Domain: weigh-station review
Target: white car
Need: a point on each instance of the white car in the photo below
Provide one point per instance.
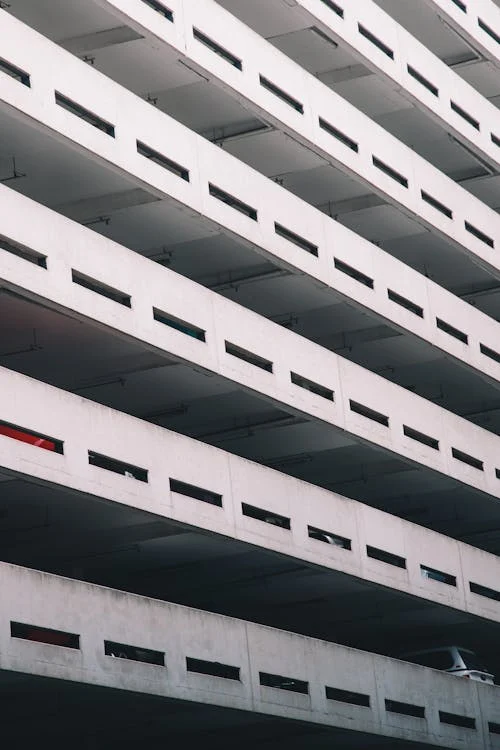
(461, 662)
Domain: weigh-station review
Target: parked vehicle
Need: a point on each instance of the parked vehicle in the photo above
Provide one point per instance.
(459, 661)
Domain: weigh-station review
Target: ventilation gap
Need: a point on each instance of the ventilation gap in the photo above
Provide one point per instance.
(480, 235)
(267, 516)
(422, 80)
(212, 668)
(488, 30)
(243, 208)
(460, 5)
(386, 557)
(353, 273)
(365, 411)
(495, 139)
(85, 114)
(23, 252)
(457, 720)
(438, 575)
(476, 588)
(179, 325)
(32, 438)
(220, 51)
(333, 6)
(464, 115)
(162, 161)
(452, 331)
(466, 459)
(342, 137)
(421, 437)
(376, 41)
(310, 385)
(100, 288)
(347, 696)
(294, 103)
(491, 353)
(246, 356)
(161, 9)
(328, 538)
(436, 204)
(406, 303)
(134, 653)
(296, 239)
(390, 172)
(117, 467)
(197, 493)
(44, 635)
(283, 683)
(14, 72)
(406, 709)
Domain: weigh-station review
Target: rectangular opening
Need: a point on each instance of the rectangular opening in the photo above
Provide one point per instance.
(212, 668)
(220, 51)
(342, 137)
(460, 5)
(422, 80)
(353, 273)
(250, 357)
(230, 200)
(347, 696)
(437, 575)
(197, 493)
(14, 72)
(162, 161)
(23, 252)
(284, 683)
(117, 467)
(160, 8)
(456, 720)
(421, 437)
(32, 438)
(294, 103)
(389, 171)
(406, 709)
(386, 557)
(99, 288)
(134, 653)
(465, 115)
(480, 235)
(476, 588)
(267, 516)
(488, 30)
(493, 727)
(85, 114)
(328, 538)
(495, 139)
(452, 331)
(310, 385)
(333, 6)
(466, 459)
(365, 411)
(406, 303)
(179, 325)
(436, 204)
(376, 41)
(296, 239)
(44, 635)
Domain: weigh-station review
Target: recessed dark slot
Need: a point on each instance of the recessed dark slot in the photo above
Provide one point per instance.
(480, 235)
(296, 239)
(436, 204)
(386, 557)
(284, 683)
(333, 6)
(243, 208)
(267, 84)
(311, 386)
(227, 56)
(407, 709)
(424, 81)
(376, 41)
(179, 325)
(491, 353)
(476, 588)
(495, 139)
(484, 26)
(457, 720)
(328, 538)
(23, 252)
(162, 161)
(421, 437)
(32, 438)
(353, 273)
(160, 8)
(212, 668)
(100, 288)
(497, 473)
(389, 171)
(438, 575)
(14, 72)
(406, 303)
(117, 467)
(464, 115)
(268, 516)
(365, 411)
(44, 635)
(347, 696)
(493, 727)
(134, 653)
(460, 5)
(85, 114)
(466, 459)
(250, 357)
(342, 137)
(197, 493)
(452, 331)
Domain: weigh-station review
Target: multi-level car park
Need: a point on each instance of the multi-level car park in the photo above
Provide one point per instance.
(249, 369)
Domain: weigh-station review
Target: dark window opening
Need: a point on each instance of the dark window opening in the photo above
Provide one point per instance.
(117, 467)
(162, 161)
(212, 668)
(465, 115)
(328, 538)
(467, 722)
(480, 235)
(460, 5)
(386, 557)
(342, 137)
(99, 288)
(85, 114)
(493, 727)
(179, 325)
(484, 26)
(134, 653)
(32, 438)
(436, 204)
(353, 273)
(476, 588)
(491, 353)
(495, 139)
(438, 575)
(273, 89)
(333, 6)
(389, 171)
(466, 459)
(296, 239)
(406, 303)
(365, 411)
(452, 331)
(250, 357)
(376, 41)
(421, 437)
(220, 51)
(160, 8)
(407, 709)
(267, 516)
(23, 252)
(347, 696)
(197, 493)
(422, 80)
(44, 635)
(14, 72)
(310, 385)
(284, 683)
(230, 200)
